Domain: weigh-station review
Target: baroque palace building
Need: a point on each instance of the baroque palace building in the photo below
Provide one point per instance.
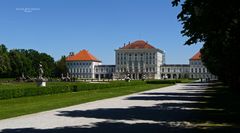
(84, 65)
(198, 70)
(174, 71)
(138, 60)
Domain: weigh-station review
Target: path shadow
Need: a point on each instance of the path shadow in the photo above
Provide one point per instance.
(175, 97)
(108, 127)
(199, 114)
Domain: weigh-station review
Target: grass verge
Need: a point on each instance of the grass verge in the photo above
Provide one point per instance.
(27, 105)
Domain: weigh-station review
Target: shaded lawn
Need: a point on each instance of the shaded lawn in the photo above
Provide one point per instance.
(225, 99)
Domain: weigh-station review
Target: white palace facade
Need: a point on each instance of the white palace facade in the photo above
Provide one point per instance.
(138, 60)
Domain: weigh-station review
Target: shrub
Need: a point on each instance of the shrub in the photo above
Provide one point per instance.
(18, 91)
(163, 81)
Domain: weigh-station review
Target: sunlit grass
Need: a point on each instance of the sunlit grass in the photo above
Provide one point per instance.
(27, 105)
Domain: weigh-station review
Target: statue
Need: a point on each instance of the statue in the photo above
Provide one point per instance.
(40, 72)
(143, 77)
(40, 80)
(62, 77)
(127, 78)
(67, 78)
(23, 77)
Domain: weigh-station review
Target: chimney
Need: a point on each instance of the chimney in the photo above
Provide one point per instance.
(124, 44)
(71, 54)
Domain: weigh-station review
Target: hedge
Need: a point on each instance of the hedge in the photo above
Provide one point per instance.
(163, 81)
(73, 87)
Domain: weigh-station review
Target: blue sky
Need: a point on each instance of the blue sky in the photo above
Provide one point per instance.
(58, 27)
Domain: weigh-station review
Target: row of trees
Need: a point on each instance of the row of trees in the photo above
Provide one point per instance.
(15, 62)
(216, 24)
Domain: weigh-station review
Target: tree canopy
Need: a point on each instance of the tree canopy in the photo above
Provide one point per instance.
(61, 67)
(216, 24)
(16, 62)
(4, 61)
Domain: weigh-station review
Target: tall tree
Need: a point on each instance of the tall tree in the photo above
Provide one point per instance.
(48, 64)
(217, 25)
(61, 67)
(19, 63)
(34, 56)
(5, 67)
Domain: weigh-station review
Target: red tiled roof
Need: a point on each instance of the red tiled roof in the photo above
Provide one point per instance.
(83, 55)
(140, 44)
(197, 56)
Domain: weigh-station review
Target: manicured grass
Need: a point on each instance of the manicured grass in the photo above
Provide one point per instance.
(186, 80)
(16, 90)
(27, 105)
(169, 81)
(23, 89)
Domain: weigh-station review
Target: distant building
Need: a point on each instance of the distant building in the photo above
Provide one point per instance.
(198, 70)
(104, 71)
(82, 64)
(138, 59)
(174, 71)
(195, 70)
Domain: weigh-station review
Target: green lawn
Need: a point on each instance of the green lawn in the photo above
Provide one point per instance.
(17, 90)
(27, 105)
(186, 80)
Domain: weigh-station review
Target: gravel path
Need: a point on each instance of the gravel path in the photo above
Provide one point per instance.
(150, 111)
